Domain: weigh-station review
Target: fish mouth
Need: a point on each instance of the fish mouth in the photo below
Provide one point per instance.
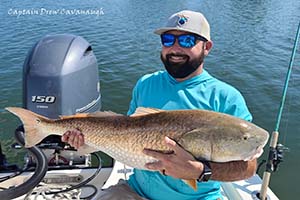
(255, 154)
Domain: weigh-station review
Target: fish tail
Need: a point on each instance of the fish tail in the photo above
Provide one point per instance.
(32, 125)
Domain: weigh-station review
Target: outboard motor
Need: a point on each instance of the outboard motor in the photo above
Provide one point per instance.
(60, 77)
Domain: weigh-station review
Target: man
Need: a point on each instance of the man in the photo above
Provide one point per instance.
(184, 85)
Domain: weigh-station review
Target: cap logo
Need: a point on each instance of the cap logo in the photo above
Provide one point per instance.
(182, 20)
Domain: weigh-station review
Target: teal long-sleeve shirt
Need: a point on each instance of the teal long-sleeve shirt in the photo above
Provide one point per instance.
(160, 90)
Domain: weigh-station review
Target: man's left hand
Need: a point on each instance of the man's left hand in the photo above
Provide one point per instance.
(179, 164)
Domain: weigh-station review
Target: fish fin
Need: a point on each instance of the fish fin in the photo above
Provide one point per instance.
(78, 115)
(94, 114)
(192, 183)
(86, 149)
(32, 127)
(103, 114)
(140, 111)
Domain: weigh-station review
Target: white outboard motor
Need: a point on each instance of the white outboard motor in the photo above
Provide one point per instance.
(60, 77)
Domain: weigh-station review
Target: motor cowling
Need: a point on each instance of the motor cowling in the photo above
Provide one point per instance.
(60, 77)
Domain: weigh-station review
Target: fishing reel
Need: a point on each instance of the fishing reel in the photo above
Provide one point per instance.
(275, 157)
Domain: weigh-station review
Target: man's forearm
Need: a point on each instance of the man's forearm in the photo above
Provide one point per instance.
(233, 171)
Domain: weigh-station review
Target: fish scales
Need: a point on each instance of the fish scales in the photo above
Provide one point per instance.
(135, 137)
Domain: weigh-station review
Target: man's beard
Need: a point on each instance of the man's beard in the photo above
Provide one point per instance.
(182, 70)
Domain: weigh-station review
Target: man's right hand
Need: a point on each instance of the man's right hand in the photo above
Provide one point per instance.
(73, 137)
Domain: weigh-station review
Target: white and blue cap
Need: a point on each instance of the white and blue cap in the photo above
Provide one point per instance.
(189, 21)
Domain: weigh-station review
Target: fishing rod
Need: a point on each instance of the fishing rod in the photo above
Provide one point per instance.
(276, 150)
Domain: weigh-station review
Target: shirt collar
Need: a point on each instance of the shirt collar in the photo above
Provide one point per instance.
(204, 76)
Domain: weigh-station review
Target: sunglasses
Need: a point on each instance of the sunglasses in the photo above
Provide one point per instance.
(185, 40)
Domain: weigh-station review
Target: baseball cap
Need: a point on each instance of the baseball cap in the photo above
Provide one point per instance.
(189, 21)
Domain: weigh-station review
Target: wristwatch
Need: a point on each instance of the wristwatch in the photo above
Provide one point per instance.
(206, 173)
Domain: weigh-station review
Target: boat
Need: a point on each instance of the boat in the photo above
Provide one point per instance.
(60, 179)
(53, 169)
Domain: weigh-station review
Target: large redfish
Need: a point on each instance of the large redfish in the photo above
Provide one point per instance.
(207, 135)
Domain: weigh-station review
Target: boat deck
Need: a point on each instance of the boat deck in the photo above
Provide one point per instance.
(239, 190)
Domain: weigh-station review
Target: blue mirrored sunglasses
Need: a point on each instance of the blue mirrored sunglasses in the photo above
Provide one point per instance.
(185, 40)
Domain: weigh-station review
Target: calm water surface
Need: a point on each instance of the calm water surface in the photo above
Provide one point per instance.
(252, 46)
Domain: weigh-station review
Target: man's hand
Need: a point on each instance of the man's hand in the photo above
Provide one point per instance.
(179, 164)
(74, 137)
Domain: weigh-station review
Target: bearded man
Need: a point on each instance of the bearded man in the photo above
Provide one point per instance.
(185, 84)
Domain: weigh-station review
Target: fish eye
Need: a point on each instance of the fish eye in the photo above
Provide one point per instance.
(38, 120)
(245, 137)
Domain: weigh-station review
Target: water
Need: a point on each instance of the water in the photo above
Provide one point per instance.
(252, 46)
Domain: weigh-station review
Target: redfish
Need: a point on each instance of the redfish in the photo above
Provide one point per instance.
(207, 135)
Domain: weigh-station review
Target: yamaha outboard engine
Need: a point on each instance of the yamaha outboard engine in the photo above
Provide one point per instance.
(60, 77)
